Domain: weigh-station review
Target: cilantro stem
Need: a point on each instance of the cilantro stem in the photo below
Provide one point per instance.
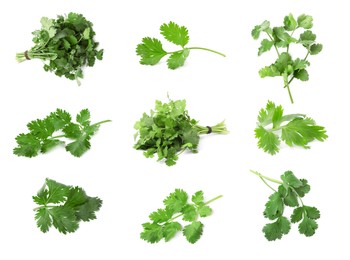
(42, 207)
(102, 122)
(290, 93)
(267, 178)
(206, 203)
(220, 128)
(278, 53)
(206, 49)
(57, 136)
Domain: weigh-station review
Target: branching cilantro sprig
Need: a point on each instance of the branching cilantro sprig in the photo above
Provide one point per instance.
(282, 38)
(163, 224)
(41, 138)
(63, 207)
(67, 43)
(293, 129)
(151, 49)
(290, 192)
(168, 131)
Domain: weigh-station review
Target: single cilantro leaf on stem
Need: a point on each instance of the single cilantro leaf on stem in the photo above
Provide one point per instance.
(151, 49)
(293, 129)
(169, 131)
(66, 45)
(281, 38)
(41, 138)
(177, 205)
(63, 207)
(290, 192)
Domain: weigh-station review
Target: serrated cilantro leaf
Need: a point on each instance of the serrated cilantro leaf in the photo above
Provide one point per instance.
(290, 24)
(175, 33)
(163, 223)
(265, 26)
(63, 207)
(290, 193)
(305, 21)
(265, 46)
(66, 45)
(316, 48)
(151, 49)
(42, 134)
(299, 131)
(169, 130)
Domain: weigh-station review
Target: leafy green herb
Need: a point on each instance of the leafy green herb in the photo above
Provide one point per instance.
(151, 49)
(63, 207)
(40, 138)
(282, 38)
(272, 126)
(290, 192)
(168, 131)
(163, 224)
(67, 43)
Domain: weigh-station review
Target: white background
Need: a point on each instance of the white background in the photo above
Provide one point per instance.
(216, 88)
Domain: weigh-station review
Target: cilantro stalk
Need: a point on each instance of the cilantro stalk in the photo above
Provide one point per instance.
(197, 48)
(290, 192)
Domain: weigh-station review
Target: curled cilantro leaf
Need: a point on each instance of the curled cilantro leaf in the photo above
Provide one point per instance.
(63, 207)
(41, 138)
(163, 224)
(290, 192)
(293, 129)
(168, 131)
(65, 44)
(151, 49)
(282, 38)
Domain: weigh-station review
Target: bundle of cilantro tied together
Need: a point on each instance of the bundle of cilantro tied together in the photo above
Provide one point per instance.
(67, 43)
(169, 130)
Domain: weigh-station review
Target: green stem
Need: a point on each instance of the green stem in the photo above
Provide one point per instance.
(41, 207)
(278, 53)
(265, 177)
(206, 203)
(57, 136)
(290, 94)
(219, 128)
(198, 48)
(284, 118)
(102, 122)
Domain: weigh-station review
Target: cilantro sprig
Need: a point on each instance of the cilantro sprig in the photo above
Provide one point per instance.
(163, 224)
(168, 131)
(293, 129)
(63, 207)
(65, 44)
(282, 38)
(41, 138)
(290, 192)
(151, 49)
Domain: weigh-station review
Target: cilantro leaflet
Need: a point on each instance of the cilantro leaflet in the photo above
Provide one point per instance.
(40, 138)
(163, 224)
(168, 131)
(63, 207)
(67, 43)
(282, 37)
(151, 49)
(299, 131)
(290, 192)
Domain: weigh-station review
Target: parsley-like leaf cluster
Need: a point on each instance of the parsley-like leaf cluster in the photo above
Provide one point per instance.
(151, 49)
(63, 207)
(169, 131)
(41, 139)
(290, 192)
(282, 38)
(163, 224)
(67, 43)
(293, 129)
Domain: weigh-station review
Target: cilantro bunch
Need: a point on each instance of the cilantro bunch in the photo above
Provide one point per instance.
(293, 129)
(63, 207)
(66, 44)
(163, 223)
(281, 38)
(151, 49)
(41, 138)
(290, 192)
(168, 131)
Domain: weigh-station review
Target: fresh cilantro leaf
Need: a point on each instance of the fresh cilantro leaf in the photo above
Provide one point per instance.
(151, 49)
(282, 37)
(169, 130)
(175, 33)
(41, 136)
(163, 223)
(299, 131)
(63, 207)
(290, 193)
(66, 45)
